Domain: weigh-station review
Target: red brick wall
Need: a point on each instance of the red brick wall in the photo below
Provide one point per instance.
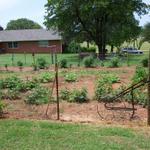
(30, 47)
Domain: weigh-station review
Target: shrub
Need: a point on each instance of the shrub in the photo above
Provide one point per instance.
(79, 96)
(115, 62)
(73, 47)
(39, 95)
(88, 61)
(63, 63)
(145, 62)
(140, 74)
(65, 94)
(86, 49)
(70, 77)
(46, 77)
(41, 63)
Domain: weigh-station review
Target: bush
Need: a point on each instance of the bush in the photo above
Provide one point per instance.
(70, 77)
(46, 77)
(73, 47)
(145, 62)
(140, 74)
(79, 96)
(115, 62)
(88, 61)
(39, 95)
(86, 49)
(63, 63)
(41, 63)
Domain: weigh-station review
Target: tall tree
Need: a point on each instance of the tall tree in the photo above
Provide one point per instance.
(146, 32)
(22, 23)
(91, 18)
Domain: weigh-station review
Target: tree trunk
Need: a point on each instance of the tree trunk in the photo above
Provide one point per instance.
(112, 48)
(101, 51)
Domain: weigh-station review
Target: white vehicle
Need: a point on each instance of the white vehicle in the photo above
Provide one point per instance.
(131, 50)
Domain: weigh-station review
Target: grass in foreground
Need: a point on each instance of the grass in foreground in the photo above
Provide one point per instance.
(30, 135)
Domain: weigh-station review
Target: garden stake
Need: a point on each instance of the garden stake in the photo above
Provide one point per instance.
(12, 59)
(148, 102)
(57, 90)
(25, 60)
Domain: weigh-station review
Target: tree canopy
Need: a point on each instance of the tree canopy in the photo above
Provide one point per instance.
(95, 20)
(146, 32)
(22, 23)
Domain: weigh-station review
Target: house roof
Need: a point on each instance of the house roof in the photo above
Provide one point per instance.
(28, 35)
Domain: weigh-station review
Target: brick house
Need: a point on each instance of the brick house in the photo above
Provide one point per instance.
(29, 41)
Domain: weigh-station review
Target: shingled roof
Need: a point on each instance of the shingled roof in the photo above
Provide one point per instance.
(28, 35)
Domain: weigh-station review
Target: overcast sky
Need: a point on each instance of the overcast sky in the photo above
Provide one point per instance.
(34, 10)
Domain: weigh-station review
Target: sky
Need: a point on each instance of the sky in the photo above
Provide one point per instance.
(34, 10)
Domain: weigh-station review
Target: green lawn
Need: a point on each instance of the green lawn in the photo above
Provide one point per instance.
(44, 135)
(7, 58)
(71, 58)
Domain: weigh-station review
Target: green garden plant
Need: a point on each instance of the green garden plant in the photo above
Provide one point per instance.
(39, 95)
(41, 63)
(115, 62)
(12, 94)
(103, 87)
(20, 65)
(2, 106)
(46, 77)
(65, 94)
(12, 82)
(144, 62)
(140, 74)
(70, 77)
(63, 63)
(79, 96)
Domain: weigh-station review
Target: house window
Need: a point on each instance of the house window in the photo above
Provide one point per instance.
(43, 43)
(13, 45)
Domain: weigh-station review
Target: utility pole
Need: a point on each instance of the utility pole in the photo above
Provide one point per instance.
(148, 102)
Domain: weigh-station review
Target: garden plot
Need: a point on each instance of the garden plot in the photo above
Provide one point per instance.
(27, 94)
